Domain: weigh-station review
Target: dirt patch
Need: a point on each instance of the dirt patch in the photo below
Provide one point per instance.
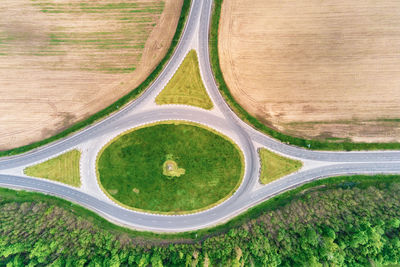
(135, 190)
(62, 61)
(328, 70)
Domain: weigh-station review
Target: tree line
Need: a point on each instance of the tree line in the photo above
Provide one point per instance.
(344, 224)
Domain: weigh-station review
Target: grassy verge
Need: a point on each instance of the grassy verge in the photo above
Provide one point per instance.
(64, 169)
(130, 168)
(251, 120)
(274, 166)
(120, 102)
(186, 86)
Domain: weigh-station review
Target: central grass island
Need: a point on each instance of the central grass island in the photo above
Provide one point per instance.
(170, 167)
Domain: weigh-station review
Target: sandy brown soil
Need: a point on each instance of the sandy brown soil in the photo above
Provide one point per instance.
(316, 69)
(63, 61)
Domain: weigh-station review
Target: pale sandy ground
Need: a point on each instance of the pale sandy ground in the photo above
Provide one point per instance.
(316, 69)
(42, 95)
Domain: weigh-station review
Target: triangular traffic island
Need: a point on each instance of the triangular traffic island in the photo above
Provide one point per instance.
(63, 168)
(275, 166)
(186, 86)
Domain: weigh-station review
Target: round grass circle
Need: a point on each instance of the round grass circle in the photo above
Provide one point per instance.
(170, 168)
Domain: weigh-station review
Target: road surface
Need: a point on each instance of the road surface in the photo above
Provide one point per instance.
(143, 110)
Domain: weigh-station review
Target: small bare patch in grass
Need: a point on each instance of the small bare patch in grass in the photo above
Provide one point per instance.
(170, 168)
(135, 190)
(113, 191)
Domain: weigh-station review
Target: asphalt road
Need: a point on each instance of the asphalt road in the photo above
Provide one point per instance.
(143, 110)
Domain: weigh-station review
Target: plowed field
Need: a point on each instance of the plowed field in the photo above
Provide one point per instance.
(61, 61)
(316, 69)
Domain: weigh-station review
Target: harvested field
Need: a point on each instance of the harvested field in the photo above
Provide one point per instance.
(328, 70)
(61, 61)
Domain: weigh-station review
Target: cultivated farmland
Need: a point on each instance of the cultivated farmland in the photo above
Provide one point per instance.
(316, 69)
(61, 61)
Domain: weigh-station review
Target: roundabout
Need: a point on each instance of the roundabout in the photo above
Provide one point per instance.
(170, 167)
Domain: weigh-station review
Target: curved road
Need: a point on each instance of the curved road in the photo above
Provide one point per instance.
(143, 110)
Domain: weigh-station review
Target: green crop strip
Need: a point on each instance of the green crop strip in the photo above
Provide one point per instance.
(99, 48)
(136, 92)
(47, 7)
(251, 120)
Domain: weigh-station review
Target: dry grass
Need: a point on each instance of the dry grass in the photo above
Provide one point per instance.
(315, 69)
(64, 169)
(274, 166)
(186, 86)
(61, 61)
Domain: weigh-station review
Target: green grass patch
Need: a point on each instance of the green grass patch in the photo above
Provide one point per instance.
(186, 86)
(275, 166)
(136, 92)
(117, 70)
(253, 121)
(64, 169)
(390, 120)
(131, 168)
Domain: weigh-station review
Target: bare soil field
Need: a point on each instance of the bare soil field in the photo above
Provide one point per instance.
(327, 70)
(61, 61)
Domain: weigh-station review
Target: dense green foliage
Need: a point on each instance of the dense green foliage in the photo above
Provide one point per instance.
(244, 115)
(346, 221)
(131, 168)
(120, 102)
